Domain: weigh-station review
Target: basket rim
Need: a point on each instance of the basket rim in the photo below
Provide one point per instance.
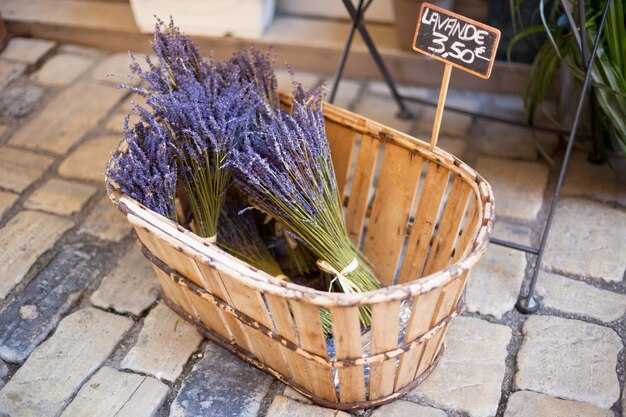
(210, 254)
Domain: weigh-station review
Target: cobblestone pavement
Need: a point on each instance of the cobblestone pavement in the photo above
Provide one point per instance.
(83, 333)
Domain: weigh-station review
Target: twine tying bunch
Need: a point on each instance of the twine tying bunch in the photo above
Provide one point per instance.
(347, 285)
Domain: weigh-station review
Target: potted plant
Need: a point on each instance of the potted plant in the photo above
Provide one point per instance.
(561, 52)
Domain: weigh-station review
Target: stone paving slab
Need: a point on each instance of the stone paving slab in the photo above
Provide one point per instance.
(383, 110)
(127, 104)
(27, 50)
(285, 80)
(7, 200)
(60, 196)
(57, 369)
(295, 395)
(347, 93)
(495, 281)
(532, 404)
(4, 371)
(285, 407)
(400, 408)
(129, 288)
(116, 123)
(569, 359)
(10, 71)
(221, 385)
(19, 168)
(117, 394)
(88, 161)
(164, 345)
(65, 119)
(587, 239)
(19, 101)
(504, 105)
(600, 182)
(468, 379)
(106, 222)
(22, 240)
(453, 123)
(380, 88)
(86, 51)
(36, 311)
(62, 69)
(115, 69)
(506, 141)
(454, 146)
(518, 186)
(571, 296)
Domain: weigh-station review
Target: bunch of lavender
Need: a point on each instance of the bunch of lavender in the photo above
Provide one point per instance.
(286, 171)
(178, 59)
(206, 108)
(301, 260)
(256, 68)
(206, 120)
(147, 170)
(238, 234)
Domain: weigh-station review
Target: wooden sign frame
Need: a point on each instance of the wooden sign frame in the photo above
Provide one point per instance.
(462, 19)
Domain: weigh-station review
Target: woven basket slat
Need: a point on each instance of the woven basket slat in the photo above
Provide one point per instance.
(245, 299)
(285, 327)
(393, 201)
(422, 312)
(341, 140)
(347, 329)
(447, 300)
(275, 325)
(361, 187)
(449, 227)
(430, 200)
(385, 323)
(211, 282)
(209, 314)
(168, 287)
(460, 286)
(251, 303)
(307, 320)
(470, 227)
(173, 257)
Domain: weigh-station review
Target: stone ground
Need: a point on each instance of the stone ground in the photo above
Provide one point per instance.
(83, 333)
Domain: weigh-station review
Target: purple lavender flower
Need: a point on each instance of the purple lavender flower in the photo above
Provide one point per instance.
(206, 109)
(290, 156)
(147, 171)
(178, 58)
(256, 68)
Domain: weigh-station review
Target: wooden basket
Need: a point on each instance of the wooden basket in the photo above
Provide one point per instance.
(423, 218)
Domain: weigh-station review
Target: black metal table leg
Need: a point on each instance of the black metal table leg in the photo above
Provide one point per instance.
(529, 304)
(356, 15)
(346, 51)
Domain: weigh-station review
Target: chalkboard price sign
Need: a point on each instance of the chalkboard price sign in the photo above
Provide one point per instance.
(456, 40)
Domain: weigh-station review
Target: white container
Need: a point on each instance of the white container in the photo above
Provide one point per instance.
(215, 18)
(380, 11)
